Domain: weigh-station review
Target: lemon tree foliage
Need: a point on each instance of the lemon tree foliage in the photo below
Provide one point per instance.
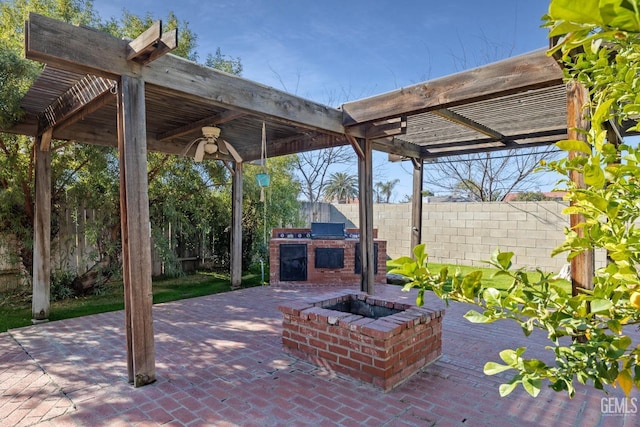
(599, 42)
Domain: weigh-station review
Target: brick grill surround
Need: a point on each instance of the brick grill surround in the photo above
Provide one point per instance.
(384, 352)
(323, 276)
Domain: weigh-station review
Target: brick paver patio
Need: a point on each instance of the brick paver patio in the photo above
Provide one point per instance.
(220, 362)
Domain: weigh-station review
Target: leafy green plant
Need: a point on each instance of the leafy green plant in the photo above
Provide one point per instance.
(61, 285)
(587, 332)
(540, 304)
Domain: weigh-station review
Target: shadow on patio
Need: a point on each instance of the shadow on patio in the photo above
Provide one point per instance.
(219, 361)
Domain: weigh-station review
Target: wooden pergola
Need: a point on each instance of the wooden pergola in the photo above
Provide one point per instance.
(132, 95)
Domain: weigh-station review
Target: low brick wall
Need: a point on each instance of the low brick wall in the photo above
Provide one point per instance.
(384, 352)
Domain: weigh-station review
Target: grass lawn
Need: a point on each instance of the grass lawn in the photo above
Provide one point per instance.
(15, 309)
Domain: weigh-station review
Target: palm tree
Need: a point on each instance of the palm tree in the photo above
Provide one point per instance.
(341, 186)
(385, 190)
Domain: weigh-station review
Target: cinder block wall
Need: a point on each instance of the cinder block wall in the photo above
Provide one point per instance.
(467, 233)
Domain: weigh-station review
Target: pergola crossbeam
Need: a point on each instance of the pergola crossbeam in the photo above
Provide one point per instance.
(454, 117)
(397, 147)
(518, 74)
(152, 44)
(169, 73)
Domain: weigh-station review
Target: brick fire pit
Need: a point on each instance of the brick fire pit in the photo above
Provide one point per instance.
(376, 341)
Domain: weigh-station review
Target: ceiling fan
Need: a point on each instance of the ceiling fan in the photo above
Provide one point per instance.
(210, 143)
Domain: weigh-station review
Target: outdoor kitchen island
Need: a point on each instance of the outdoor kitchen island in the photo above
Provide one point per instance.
(325, 254)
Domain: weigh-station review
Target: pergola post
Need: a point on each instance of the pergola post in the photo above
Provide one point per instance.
(40, 301)
(582, 265)
(135, 225)
(365, 182)
(416, 203)
(236, 225)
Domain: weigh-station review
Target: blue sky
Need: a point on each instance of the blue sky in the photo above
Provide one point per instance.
(335, 51)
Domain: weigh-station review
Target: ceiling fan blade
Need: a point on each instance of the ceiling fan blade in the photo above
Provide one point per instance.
(199, 156)
(233, 152)
(222, 146)
(189, 145)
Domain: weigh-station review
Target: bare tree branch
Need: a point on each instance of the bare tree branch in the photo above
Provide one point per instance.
(312, 169)
(488, 176)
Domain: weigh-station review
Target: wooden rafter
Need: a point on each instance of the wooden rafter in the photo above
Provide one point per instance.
(217, 119)
(454, 117)
(85, 97)
(308, 142)
(427, 154)
(551, 134)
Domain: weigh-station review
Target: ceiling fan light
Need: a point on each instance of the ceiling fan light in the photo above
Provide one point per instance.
(210, 148)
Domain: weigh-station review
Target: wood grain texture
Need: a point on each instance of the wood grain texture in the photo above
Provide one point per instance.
(64, 46)
(136, 229)
(520, 73)
(365, 182)
(236, 225)
(145, 42)
(40, 302)
(416, 203)
(583, 264)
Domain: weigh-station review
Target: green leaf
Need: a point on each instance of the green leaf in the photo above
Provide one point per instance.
(622, 342)
(532, 386)
(600, 305)
(491, 296)
(419, 252)
(401, 261)
(625, 381)
(492, 368)
(444, 273)
(603, 111)
(506, 389)
(583, 12)
(615, 326)
(594, 175)
(564, 28)
(534, 365)
(504, 259)
(475, 317)
(527, 327)
(408, 286)
(471, 284)
(574, 145)
(572, 210)
(620, 14)
(420, 298)
(509, 357)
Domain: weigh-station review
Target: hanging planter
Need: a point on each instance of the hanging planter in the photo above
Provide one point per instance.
(263, 177)
(263, 180)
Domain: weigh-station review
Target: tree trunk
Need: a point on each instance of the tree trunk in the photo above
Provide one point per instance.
(97, 275)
